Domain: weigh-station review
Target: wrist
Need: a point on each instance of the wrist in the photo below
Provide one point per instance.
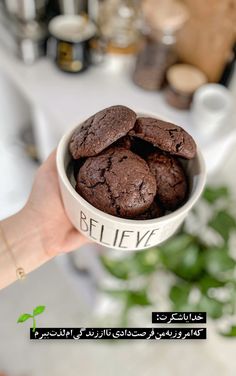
(25, 242)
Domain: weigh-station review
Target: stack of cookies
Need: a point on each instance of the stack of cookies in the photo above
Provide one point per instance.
(130, 166)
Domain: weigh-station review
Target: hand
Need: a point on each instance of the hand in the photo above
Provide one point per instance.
(45, 209)
(40, 230)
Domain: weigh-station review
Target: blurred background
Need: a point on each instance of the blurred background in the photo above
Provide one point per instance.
(60, 62)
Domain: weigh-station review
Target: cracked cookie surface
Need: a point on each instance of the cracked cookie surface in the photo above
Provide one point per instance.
(166, 136)
(101, 130)
(117, 182)
(171, 181)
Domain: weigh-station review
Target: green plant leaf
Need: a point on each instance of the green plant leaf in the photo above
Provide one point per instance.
(207, 282)
(171, 251)
(217, 261)
(130, 297)
(176, 243)
(179, 295)
(212, 194)
(118, 268)
(213, 307)
(120, 294)
(146, 261)
(139, 298)
(190, 264)
(223, 222)
(230, 333)
(142, 262)
(24, 317)
(182, 255)
(38, 310)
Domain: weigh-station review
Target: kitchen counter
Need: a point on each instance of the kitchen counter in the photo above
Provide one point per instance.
(59, 100)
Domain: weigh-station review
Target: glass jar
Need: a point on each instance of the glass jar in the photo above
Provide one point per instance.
(153, 61)
(182, 81)
(159, 49)
(118, 23)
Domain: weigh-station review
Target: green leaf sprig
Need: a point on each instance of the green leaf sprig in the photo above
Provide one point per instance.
(25, 316)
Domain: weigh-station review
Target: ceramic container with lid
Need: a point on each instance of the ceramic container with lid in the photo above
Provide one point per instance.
(183, 80)
(70, 41)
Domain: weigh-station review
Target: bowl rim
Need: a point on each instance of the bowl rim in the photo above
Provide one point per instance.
(201, 180)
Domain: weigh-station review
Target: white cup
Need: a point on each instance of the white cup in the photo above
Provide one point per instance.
(211, 108)
(120, 233)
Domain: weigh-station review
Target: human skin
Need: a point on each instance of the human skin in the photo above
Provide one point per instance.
(39, 231)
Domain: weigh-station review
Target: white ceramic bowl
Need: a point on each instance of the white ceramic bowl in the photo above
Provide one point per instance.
(120, 233)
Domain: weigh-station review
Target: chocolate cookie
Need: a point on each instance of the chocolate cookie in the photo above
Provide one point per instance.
(77, 164)
(117, 182)
(170, 178)
(154, 211)
(101, 130)
(141, 147)
(166, 136)
(124, 142)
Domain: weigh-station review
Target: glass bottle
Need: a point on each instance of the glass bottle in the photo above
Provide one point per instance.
(118, 23)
